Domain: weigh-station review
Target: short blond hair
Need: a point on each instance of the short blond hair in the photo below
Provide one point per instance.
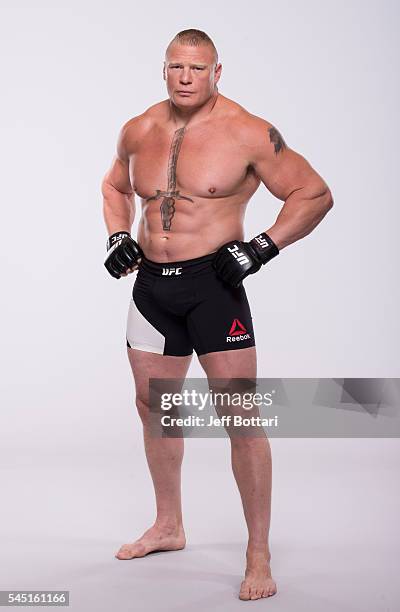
(194, 38)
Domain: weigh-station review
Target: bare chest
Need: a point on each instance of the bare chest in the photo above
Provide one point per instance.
(197, 163)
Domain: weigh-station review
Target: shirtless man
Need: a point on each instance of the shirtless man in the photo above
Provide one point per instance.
(194, 160)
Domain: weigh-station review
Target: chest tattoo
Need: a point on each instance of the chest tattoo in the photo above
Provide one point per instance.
(167, 206)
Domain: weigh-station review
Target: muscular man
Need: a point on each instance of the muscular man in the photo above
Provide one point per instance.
(194, 160)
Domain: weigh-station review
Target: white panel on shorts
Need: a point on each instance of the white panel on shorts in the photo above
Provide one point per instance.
(141, 334)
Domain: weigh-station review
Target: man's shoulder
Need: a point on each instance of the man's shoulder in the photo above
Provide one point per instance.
(135, 128)
(244, 125)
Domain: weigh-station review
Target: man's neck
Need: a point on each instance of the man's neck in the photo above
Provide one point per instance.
(185, 117)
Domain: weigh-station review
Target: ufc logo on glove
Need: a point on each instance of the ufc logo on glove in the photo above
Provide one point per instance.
(239, 255)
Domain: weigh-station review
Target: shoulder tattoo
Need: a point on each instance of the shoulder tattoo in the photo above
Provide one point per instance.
(277, 140)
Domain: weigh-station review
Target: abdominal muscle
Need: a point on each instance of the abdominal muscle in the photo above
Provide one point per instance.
(197, 228)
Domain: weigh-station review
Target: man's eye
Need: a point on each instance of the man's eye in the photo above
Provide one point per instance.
(195, 67)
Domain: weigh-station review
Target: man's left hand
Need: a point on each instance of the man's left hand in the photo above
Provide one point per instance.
(237, 259)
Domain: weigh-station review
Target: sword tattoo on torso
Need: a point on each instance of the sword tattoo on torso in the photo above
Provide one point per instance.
(167, 207)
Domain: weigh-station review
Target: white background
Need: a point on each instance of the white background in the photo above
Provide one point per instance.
(326, 75)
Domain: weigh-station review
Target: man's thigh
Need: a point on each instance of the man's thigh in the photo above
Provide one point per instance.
(239, 363)
(146, 364)
(221, 320)
(231, 365)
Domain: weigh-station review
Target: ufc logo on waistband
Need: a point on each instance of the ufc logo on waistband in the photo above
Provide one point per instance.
(239, 255)
(171, 271)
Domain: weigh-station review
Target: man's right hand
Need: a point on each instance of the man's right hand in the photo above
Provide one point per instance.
(123, 254)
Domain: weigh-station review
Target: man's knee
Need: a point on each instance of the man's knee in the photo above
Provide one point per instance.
(143, 408)
(248, 440)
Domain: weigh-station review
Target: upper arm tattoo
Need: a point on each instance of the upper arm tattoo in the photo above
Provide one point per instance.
(276, 138)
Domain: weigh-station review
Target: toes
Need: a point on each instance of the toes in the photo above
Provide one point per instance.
(255, 594)
(122, 554)
(270, 590)
(130, 552)
(252, 592)
(125, 552)
(244, 592)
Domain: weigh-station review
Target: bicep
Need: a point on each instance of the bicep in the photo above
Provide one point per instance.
(280, 168)
(118, 174)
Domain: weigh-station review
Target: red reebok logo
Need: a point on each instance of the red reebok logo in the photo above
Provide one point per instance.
(237, 328)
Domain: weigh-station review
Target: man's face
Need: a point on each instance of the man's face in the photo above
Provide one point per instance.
(191, 74)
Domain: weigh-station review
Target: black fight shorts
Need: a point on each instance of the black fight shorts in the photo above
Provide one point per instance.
(180, 306)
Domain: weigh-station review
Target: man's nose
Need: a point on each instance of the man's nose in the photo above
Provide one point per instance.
(185, 77)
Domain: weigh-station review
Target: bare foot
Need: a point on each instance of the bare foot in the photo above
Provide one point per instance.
(258, 581)
(156, 538)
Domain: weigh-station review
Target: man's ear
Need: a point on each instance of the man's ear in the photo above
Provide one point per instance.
(217, 73)
(163, 71)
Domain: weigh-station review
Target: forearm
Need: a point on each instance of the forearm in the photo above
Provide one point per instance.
(300, 214)
(118, 209)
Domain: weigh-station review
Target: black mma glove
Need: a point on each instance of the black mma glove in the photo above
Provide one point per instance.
(237, 259)
(122, 253)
